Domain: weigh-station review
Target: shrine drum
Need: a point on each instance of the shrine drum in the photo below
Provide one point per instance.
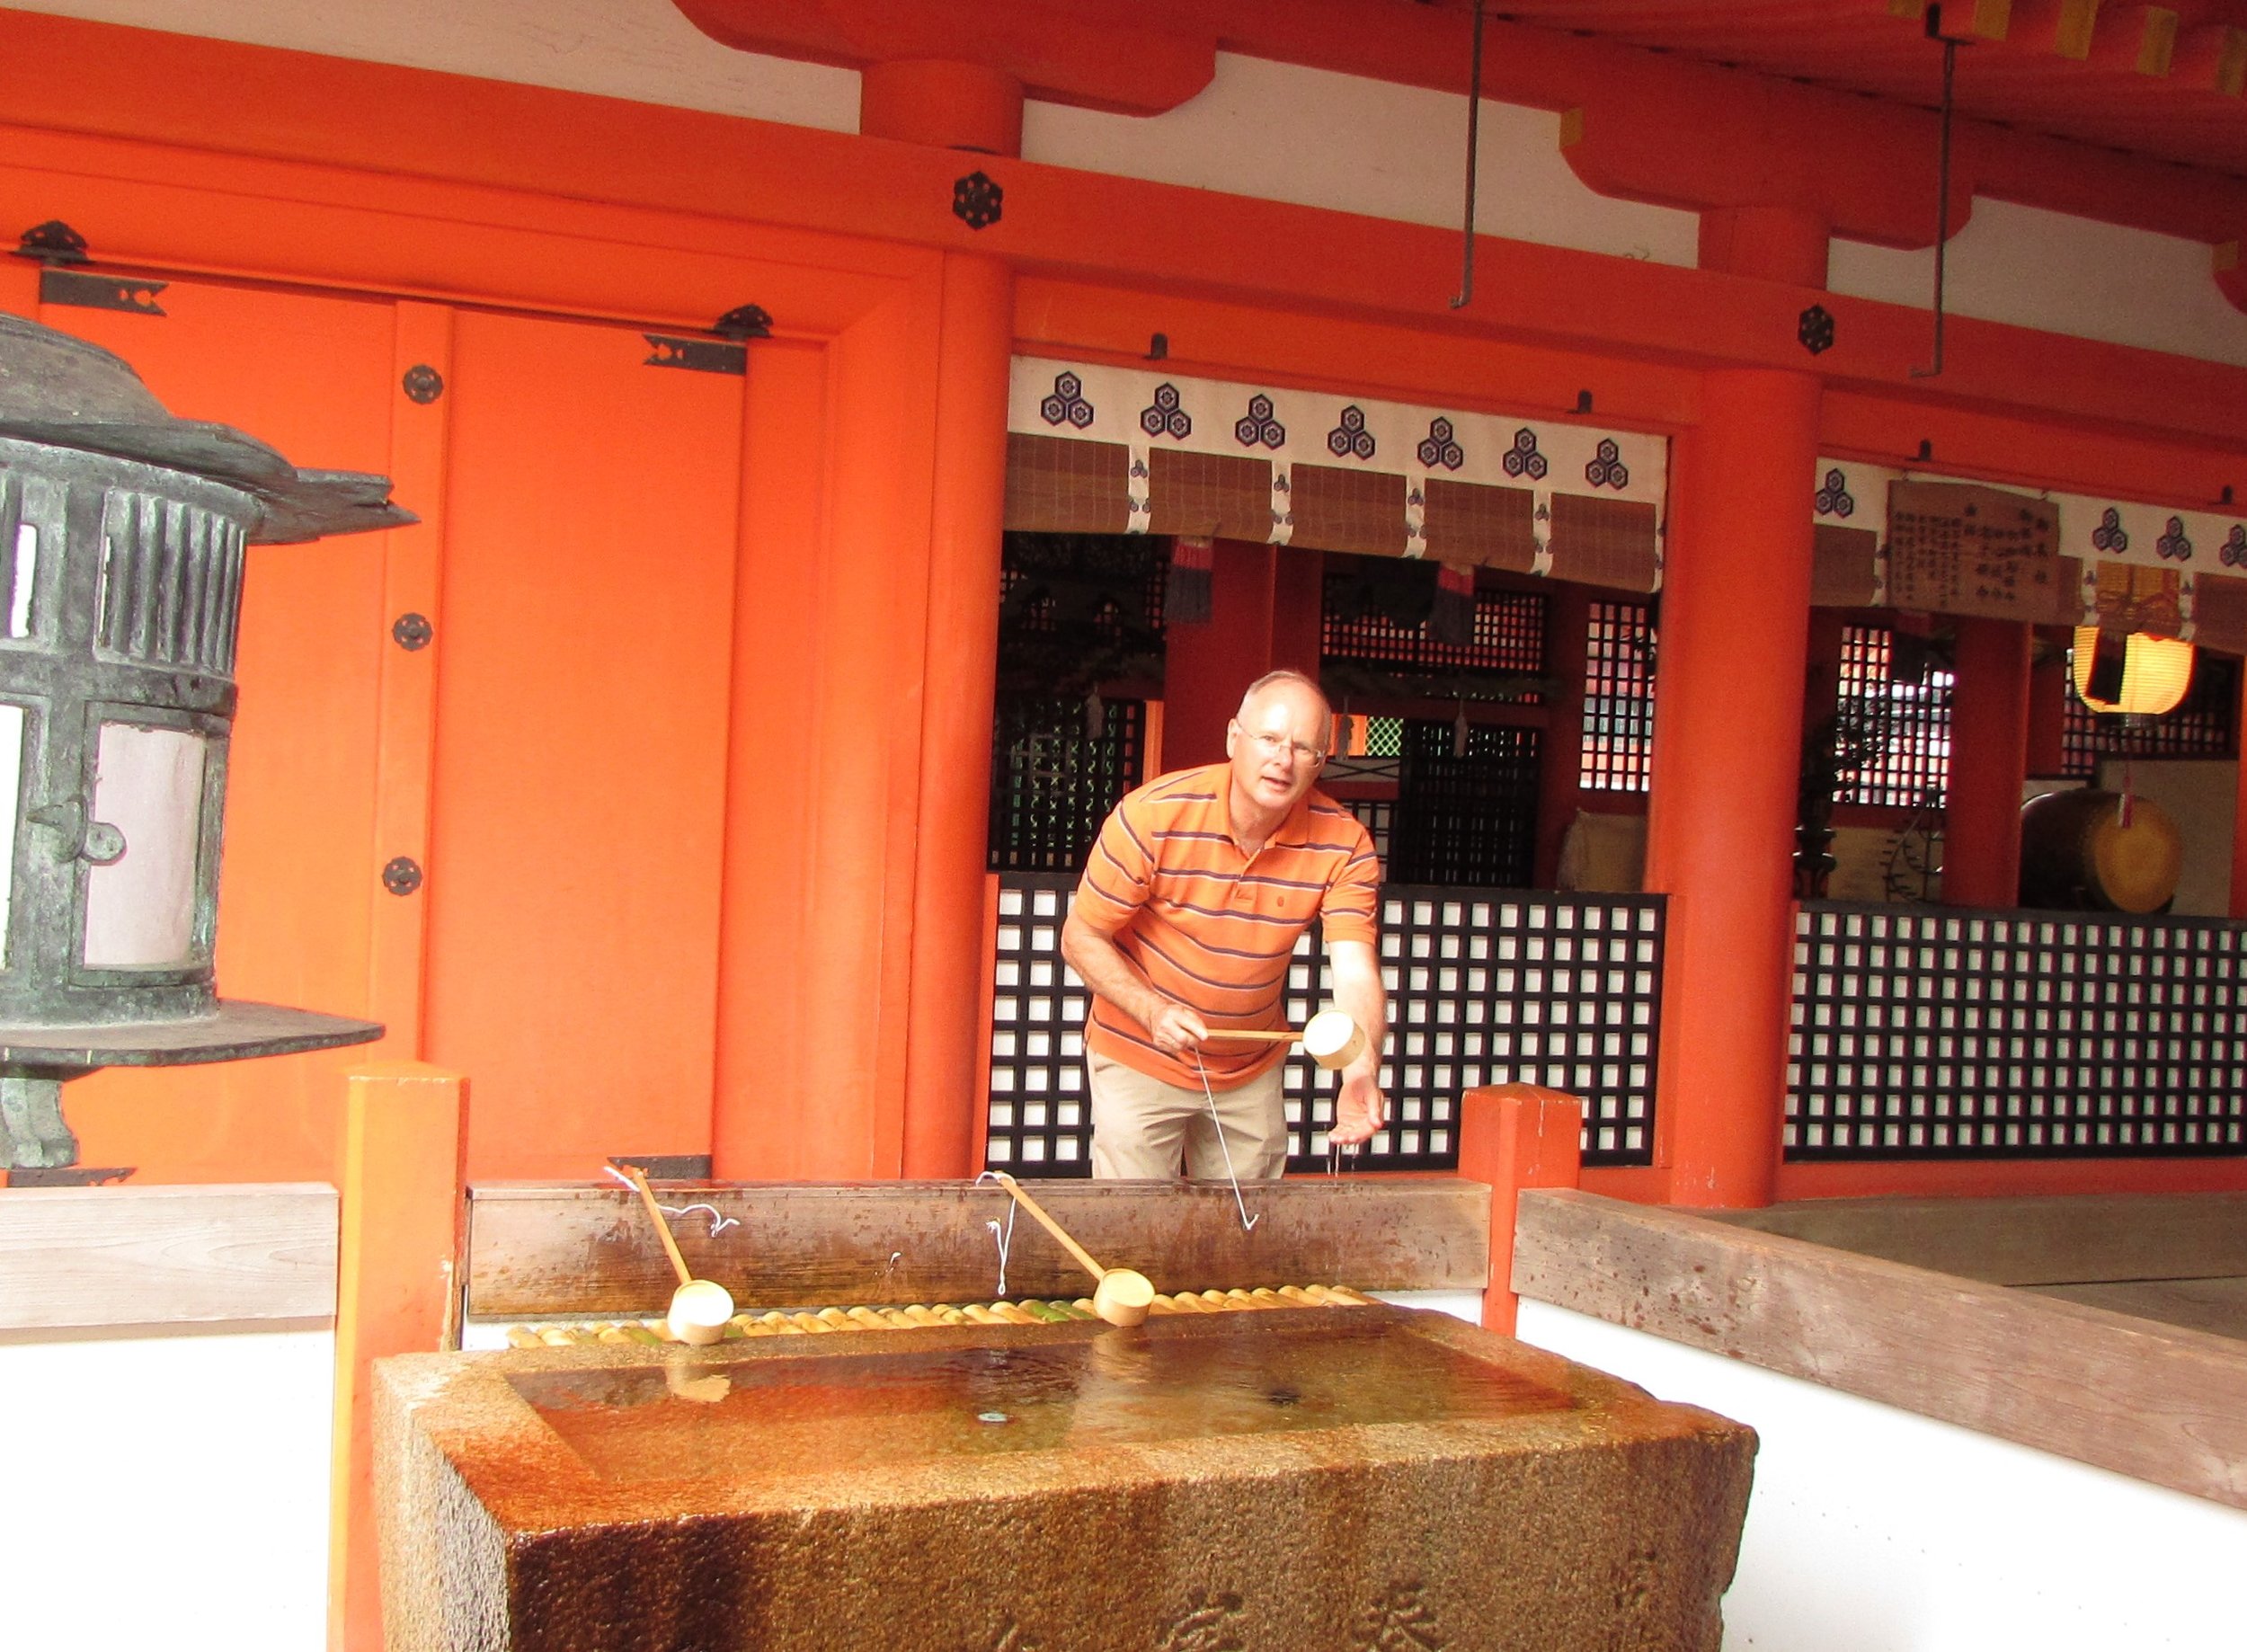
(2078, 854)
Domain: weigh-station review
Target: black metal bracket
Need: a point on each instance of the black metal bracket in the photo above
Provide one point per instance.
(79, 291)
(744, 321)
(698, 355)
(52, 242)
(1814, 329)
(977, 201)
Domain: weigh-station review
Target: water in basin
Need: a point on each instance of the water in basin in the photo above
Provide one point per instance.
(750, 1419)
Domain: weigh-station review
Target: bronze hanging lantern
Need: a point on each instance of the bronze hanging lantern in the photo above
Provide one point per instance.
(122, 532)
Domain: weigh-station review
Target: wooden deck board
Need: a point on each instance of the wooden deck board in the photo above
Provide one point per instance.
(2218, 1306)
(2155, 1401)
(2066, 1239)
(87, 1257)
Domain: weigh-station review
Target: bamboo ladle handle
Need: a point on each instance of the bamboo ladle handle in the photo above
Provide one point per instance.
(1281, 1035)
(663, 1228)
(1050, 1225)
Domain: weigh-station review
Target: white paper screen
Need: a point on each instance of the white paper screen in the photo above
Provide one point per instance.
(140, 909)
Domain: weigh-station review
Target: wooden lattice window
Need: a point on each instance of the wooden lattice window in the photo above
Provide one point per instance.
(1616, 754)
(1894, 738)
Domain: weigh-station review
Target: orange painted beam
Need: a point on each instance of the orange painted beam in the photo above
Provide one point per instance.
(1709, 136)
(1514, 1136)
(1999, 1179)
(1096, 53)
(405, 133)
(397, 1292)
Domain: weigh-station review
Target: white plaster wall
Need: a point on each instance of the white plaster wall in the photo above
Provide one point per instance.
(2202, 797)
(1264, 129)
(642, 49)
(1342, 141)
(166, 1491)
(2060, 274)
(1875, 1530)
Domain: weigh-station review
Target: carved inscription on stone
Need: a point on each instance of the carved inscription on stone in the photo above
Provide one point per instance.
(1401, 1620)
(1009, 1637)
(1208, 1624)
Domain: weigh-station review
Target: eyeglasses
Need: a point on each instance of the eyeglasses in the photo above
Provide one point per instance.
(1279, 745)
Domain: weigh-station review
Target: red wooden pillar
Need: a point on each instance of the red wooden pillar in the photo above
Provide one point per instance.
(398, 1291)
(853, 953)
(2048, 701)
(1561, 777)
(2237, 905)
(1263, 617)
(1726, 755)
(1514, 1136)
(1989, 759)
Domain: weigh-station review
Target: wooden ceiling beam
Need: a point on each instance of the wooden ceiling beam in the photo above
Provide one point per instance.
(2133, 39)
(2062, 28)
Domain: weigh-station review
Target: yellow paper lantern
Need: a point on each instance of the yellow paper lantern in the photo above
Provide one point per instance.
(2156, 670)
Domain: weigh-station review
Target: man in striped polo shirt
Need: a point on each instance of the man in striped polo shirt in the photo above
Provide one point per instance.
(1183, 926)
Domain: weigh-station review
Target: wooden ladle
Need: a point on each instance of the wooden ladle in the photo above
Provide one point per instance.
(700, 1307)
(1330, 1038)
(1123, 1296)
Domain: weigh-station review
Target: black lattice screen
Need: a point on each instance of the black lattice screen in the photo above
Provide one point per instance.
(1465, 818)
(1037, 1109)
(1508, 639)
(1559, 989)
(1979, 1035)
(2206, 725)
(1617, 752)
(1377, 815)
(1897, 729)
(1055, 779)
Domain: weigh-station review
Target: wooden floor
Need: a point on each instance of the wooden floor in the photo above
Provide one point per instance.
(2217, 1305)
(2179, 1260)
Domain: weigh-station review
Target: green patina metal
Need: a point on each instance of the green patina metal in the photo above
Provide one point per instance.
(122, 538)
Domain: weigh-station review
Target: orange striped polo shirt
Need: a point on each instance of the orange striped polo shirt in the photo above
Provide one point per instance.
(1213, 928)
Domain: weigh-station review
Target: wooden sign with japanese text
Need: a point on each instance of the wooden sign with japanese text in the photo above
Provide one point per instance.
(1958, 548)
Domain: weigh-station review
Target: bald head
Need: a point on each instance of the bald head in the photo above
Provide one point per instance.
(1276, 745)
(1274, 682)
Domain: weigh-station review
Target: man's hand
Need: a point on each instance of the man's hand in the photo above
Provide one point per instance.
(1359, 1111)
(1101, 963)
(1176, 1029)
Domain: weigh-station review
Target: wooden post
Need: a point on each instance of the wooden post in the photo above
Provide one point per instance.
(413, 583)
(1514, 1136)
(1720, 823)
(404, 1147)
(1989, 759)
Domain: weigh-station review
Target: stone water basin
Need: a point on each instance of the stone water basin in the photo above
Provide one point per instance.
(1324, 1478)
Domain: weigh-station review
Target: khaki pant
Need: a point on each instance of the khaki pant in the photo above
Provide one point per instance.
(1141, 1126)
